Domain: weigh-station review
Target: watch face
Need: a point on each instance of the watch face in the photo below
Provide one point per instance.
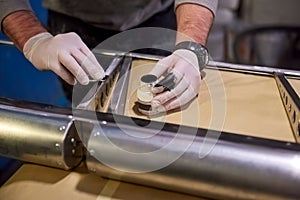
(202, 55)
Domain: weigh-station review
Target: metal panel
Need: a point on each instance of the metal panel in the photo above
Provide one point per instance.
(291, 103)
(39, 136)
(237, 167)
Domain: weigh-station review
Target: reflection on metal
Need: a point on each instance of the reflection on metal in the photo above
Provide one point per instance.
(97, 96)
(38, 136)
(291, 103)
(129, 54)
(259, 70)
(237, 168)
(118, 98)
(7, 42)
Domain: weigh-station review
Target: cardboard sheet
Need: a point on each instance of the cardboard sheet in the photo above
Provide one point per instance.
(296, 85)
(241, 103)
(36, 182)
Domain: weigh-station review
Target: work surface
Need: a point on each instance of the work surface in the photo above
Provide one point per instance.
(39, 182)
(252, 107)
(241, 103)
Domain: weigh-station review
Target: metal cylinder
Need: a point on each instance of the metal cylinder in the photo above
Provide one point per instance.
(38, 135)
(237, 167)
(144, 93)
(122, 148)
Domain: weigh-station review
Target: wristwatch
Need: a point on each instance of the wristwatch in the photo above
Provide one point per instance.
(200, 51)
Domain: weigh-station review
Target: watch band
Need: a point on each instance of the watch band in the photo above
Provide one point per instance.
(200, 51)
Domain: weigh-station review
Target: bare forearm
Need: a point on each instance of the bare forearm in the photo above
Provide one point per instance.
(20, 26)
(193, 21)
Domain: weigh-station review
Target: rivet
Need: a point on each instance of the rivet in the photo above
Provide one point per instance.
(57, 145)
(92, 152)
(96, 134)
(62, 128)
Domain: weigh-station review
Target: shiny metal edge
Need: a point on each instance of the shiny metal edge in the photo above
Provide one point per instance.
(7, 42)
(35, 108)
(118, 98)
(130, 54)
(253, 69)
(97, 95)
(291, 103)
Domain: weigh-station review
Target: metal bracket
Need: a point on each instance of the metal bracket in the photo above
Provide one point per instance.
(96, 97)
(119, 94)
(291, 102)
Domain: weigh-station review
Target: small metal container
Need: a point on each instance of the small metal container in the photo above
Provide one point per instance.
(144, 93)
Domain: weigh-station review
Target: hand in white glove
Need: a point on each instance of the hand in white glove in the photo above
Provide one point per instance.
(64, 54)
(184, 65)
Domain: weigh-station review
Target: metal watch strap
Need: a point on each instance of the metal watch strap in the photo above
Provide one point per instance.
(200, 51)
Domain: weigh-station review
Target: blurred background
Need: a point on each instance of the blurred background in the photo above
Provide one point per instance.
(255, 32)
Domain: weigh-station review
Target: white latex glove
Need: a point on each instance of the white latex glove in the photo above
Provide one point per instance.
(64, 54)
(184, 65)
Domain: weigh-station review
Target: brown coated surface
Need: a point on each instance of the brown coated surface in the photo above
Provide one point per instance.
(36, 182)
(252, 104)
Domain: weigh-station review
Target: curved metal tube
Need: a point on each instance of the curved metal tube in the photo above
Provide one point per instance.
(39, 137)
(238, 167)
